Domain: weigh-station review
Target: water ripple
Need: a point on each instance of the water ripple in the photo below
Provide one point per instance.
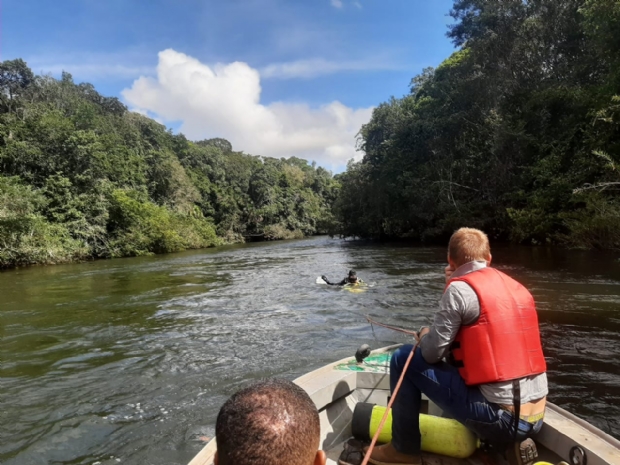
(129, 360)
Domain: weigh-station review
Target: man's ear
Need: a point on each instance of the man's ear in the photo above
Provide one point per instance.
(319, 459)
(216, 459)
(489, 260)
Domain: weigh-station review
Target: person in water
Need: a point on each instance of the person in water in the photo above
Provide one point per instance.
(487, 326)
(273, 421)
(350, 279)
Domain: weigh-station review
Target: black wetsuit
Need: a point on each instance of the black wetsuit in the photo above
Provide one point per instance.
(344, 282)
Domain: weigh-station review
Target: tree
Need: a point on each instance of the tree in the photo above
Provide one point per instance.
(500, 134)
(219, 143)
(15, 79)
(82, 177)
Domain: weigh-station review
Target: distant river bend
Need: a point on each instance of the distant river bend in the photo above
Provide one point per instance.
(128, 361)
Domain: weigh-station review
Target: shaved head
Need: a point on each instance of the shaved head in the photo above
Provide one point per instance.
(273, 422)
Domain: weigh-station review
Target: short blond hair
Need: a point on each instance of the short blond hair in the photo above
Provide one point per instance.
(467, 245)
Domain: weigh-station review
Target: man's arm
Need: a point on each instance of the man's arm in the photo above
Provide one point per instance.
(459, 305)
(341, 283)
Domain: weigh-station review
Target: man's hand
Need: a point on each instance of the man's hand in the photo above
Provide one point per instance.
(324, 278)
(423, 332)
(448, 270)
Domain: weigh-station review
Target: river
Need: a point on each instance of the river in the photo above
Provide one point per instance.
(128, 360)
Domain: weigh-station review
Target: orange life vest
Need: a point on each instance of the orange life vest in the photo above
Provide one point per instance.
(504, 343)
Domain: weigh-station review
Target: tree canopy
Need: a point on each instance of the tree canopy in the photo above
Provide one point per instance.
(518, 132)
(82, 177)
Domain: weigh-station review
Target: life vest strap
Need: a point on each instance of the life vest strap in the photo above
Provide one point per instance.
(516, 397)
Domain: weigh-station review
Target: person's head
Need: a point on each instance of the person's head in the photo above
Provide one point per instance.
(273, 421)
(352, 278)
(467, 245)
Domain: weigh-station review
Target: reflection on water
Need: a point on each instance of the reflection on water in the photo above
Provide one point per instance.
(129, 360)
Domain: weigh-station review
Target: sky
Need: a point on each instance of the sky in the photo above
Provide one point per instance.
(276, 78)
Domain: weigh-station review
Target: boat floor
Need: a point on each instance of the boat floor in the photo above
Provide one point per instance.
(479, 458)
(429, 459)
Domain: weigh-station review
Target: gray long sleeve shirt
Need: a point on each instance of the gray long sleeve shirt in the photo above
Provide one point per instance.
(459, 306)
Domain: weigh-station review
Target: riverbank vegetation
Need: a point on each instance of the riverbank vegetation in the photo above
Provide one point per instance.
(518, 133)
(82, 177)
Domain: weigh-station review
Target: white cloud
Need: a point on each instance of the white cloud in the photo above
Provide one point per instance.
(340, 4)
(94, 70)
(120, 65)
(321, 67)
(224, 101)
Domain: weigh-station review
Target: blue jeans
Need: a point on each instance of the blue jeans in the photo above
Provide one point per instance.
(443, 385)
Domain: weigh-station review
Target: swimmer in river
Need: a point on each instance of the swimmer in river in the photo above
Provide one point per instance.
(350, 279)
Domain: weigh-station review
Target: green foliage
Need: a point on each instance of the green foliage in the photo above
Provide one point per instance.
(140, 227)
(26, 237)
(81, 177)
(595, 226)
(279, 231)
(15, 79)
(502, 135)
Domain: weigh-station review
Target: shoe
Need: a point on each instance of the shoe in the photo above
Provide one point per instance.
(352, 454)
(522, 453)
(387, 455)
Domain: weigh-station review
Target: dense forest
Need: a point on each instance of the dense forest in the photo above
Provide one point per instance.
(518, 132)
(82, 177)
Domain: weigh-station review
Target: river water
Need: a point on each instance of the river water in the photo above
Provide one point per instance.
(128, 361)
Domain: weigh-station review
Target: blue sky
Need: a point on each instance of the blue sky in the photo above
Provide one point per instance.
(275, 77)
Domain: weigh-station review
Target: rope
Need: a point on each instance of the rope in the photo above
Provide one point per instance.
(396, 389)
(395, 328)
(392, 399)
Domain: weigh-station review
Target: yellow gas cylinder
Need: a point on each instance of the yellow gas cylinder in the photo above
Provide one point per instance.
(439, 435)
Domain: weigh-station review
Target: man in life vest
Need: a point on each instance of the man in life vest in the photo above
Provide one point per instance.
(495, 383)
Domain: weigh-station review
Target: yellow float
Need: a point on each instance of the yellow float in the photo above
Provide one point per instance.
(439, 435)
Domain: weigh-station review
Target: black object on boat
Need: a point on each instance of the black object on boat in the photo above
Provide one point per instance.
(362, 352)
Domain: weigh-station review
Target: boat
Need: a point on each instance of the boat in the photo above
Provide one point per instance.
(339, 387)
